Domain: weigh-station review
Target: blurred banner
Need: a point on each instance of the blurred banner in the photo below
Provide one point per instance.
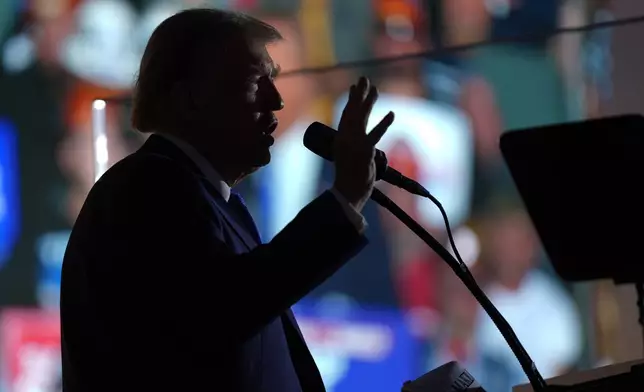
(359, 349)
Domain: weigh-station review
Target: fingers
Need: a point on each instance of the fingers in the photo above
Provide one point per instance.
(367, 106)
(362, 97)
(379, 130)
(353, 101)
(362, 88)
(357, 94)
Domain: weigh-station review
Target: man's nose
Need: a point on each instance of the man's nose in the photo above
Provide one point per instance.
(274, 98)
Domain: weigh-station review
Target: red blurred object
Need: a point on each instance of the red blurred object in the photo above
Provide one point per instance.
(401, 156)
(30, 350)
(459, 349)
(407, 9)
(79, 103)
(416, 282)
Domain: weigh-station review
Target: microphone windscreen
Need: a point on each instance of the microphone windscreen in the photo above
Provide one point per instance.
(318, 138)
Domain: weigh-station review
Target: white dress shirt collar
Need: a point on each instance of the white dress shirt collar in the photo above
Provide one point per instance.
(202, 164)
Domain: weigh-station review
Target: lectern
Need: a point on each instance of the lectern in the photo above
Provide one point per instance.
(582, 186)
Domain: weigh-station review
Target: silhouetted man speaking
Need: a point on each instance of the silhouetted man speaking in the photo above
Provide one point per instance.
(166, 285)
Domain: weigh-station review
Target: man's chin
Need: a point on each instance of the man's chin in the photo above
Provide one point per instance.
(262, 159)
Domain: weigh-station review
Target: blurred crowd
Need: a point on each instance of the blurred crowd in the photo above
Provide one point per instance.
(57, 56)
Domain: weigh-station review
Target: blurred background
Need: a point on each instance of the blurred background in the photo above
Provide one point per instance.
(396, 311)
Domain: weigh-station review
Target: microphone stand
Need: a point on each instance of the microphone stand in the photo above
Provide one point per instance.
(463, 273)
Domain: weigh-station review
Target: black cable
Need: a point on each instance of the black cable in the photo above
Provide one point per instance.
(460, 48)
(442, 51)
(450, 235)
(461, 270)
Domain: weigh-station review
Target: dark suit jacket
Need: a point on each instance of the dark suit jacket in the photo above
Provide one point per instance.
(165, 289)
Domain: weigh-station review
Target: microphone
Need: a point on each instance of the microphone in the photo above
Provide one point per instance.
(318, 138)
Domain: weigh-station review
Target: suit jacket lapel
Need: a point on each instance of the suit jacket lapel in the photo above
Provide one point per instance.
(291, 318)
(240, 231)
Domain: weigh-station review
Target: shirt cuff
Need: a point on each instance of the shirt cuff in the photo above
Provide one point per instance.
(354, 216)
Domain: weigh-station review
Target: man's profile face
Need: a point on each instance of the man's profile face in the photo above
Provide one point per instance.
(297, 90)
(237, 105)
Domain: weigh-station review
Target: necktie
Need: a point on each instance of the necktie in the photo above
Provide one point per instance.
(238, 205)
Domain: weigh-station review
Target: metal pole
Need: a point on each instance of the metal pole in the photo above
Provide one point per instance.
(99, 138)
